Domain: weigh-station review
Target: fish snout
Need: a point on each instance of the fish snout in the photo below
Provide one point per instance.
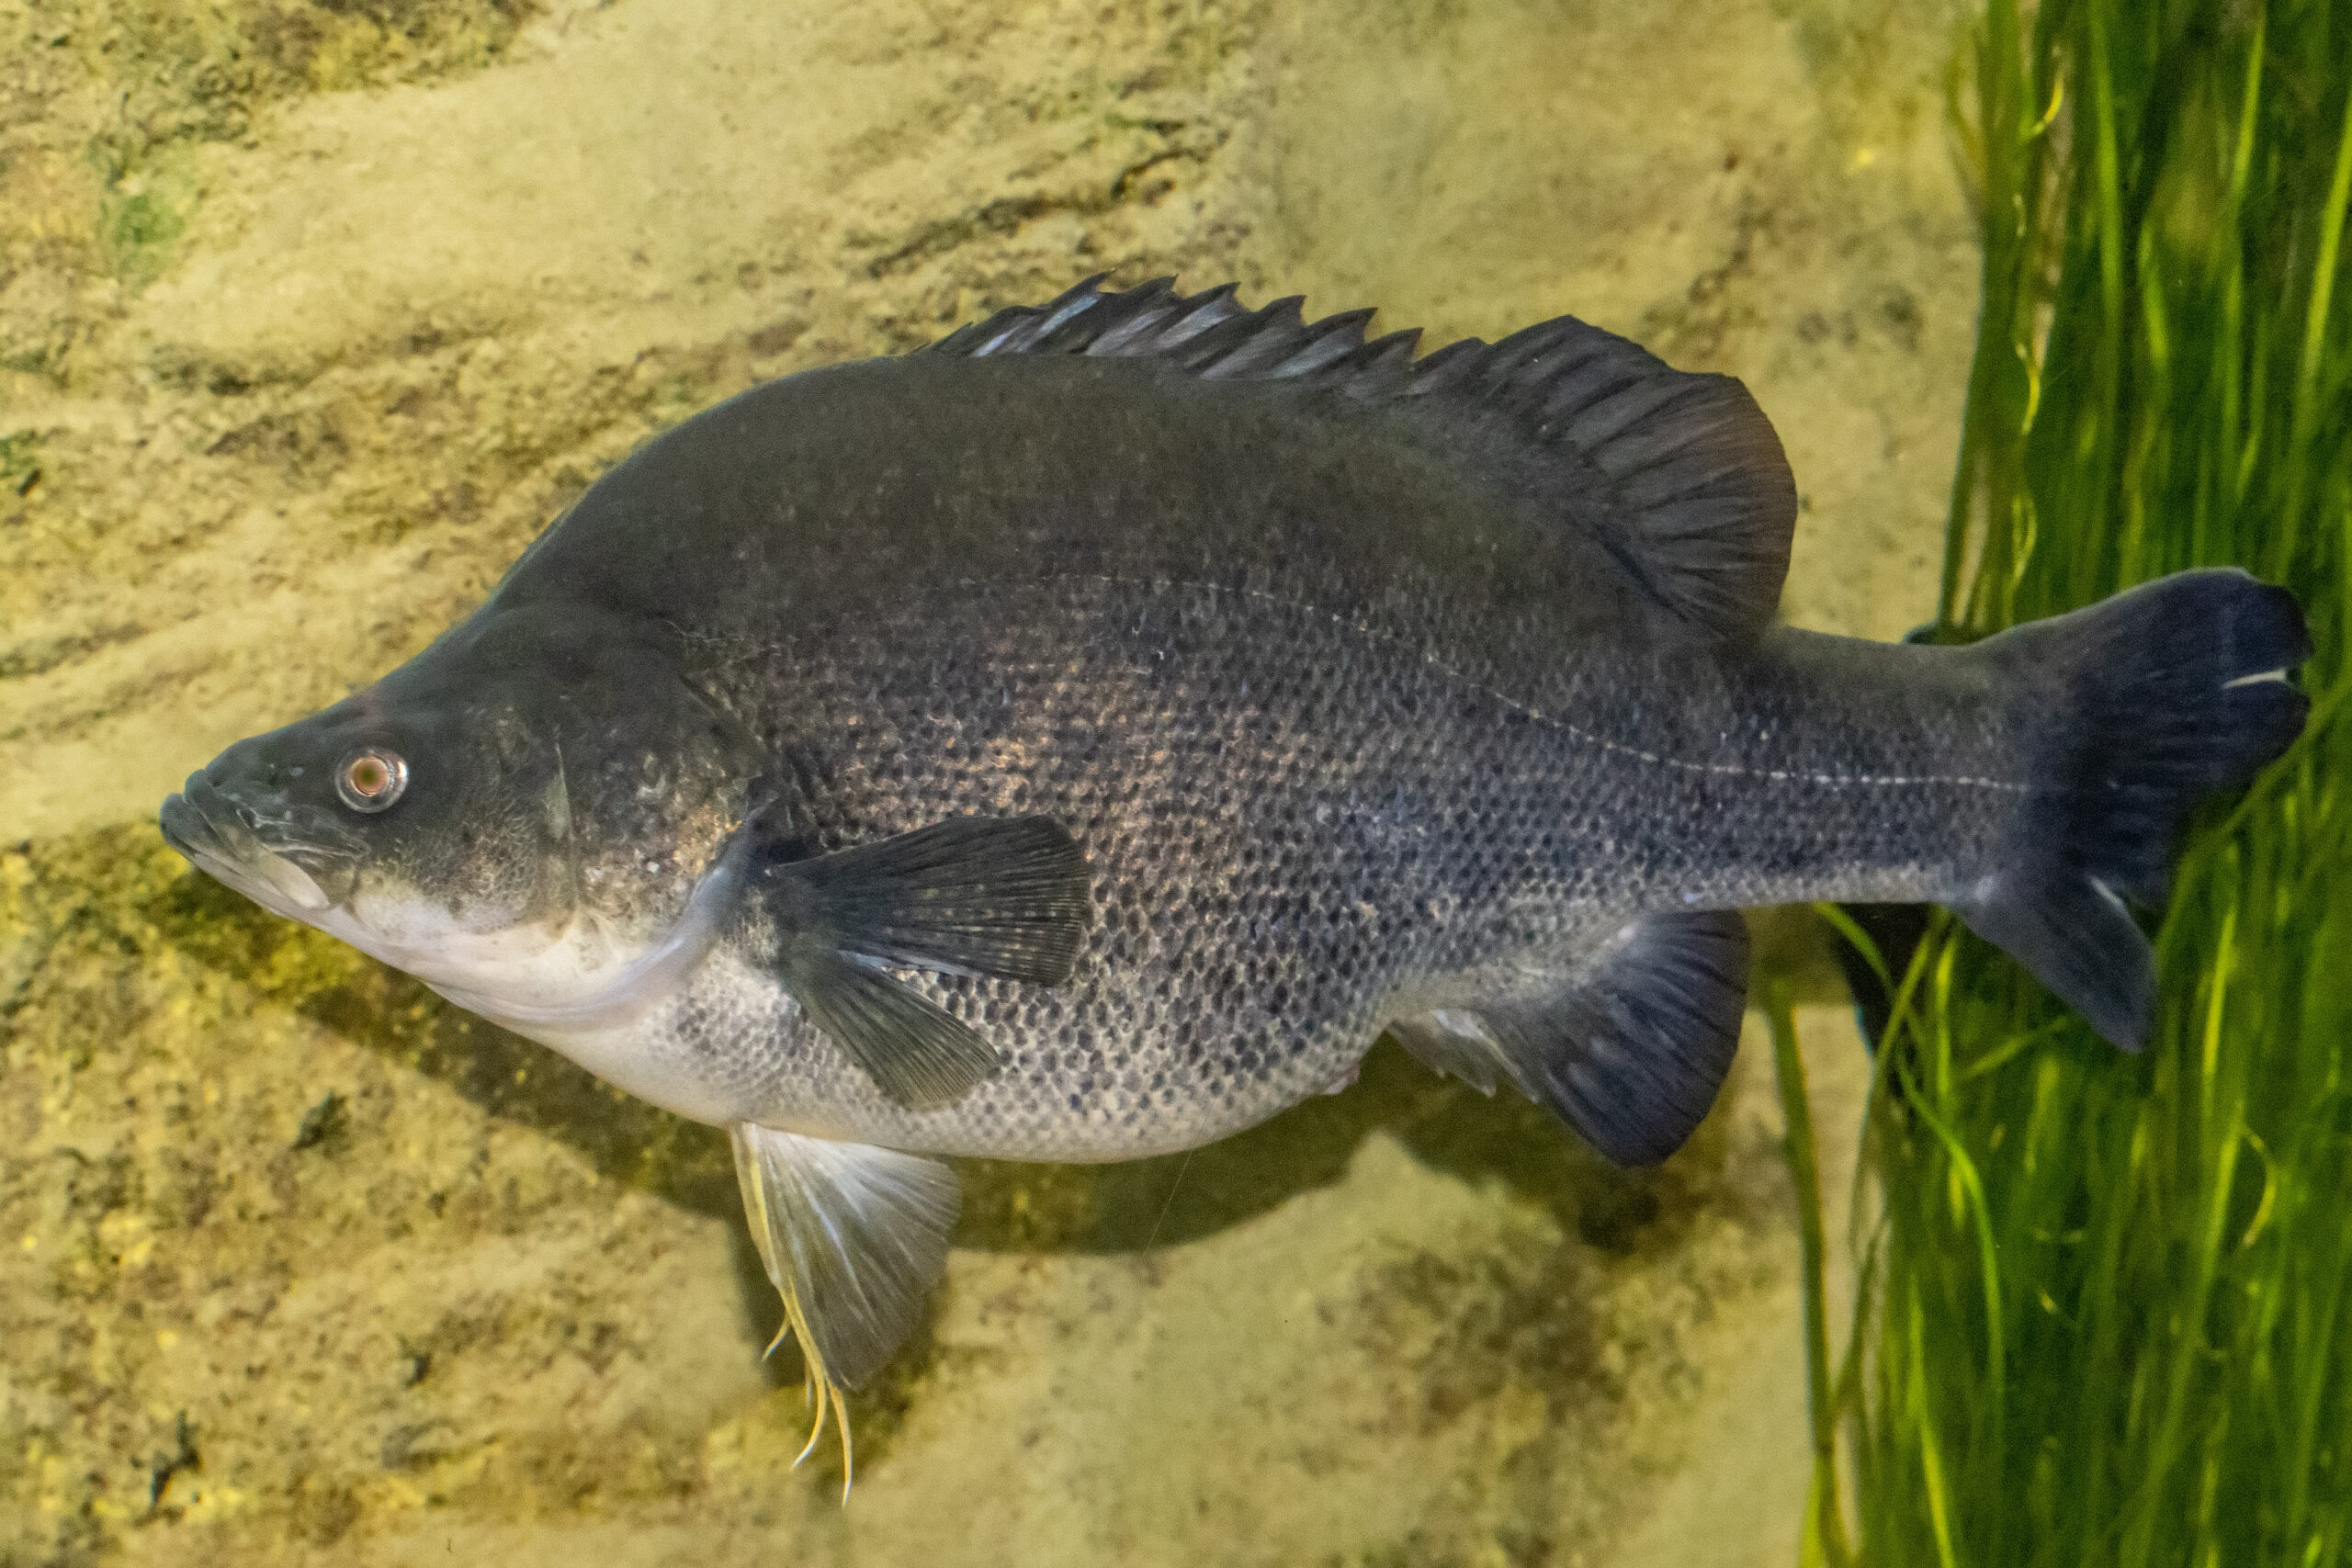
(186, 828)
(263, 849)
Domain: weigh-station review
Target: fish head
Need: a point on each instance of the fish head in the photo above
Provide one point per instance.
(402, 831)
(514, 809)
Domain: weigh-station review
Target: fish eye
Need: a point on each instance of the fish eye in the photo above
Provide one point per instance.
(371, 780)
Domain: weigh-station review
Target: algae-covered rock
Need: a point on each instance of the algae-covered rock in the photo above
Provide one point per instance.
(311, 314)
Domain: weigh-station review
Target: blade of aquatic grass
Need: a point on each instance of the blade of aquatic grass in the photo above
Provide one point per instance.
(1968, 1204)
(2099, 1310)
(2316, 315)
(2216, 1135)
(1931, 1463)
(1824, 1539)
(1860, 940)
(1994, 370)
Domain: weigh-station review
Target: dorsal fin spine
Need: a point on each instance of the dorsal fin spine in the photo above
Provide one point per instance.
(1116, 340)
(1255, 348)
(1333, 339)
(1446, 368)
(1206, 311)
(1677, 476)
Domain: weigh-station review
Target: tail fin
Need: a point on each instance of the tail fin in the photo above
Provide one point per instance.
(2155, 698)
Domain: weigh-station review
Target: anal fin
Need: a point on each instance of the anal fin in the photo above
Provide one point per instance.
(854, 1237)
(1629, 1046)
(1454, 1041)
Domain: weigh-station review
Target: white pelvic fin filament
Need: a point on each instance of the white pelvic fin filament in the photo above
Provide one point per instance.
(817, 1386)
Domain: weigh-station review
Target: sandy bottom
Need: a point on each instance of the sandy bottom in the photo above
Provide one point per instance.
(310, 318)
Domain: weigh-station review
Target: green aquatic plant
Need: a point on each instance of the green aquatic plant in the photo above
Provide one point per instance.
(2102, 1315)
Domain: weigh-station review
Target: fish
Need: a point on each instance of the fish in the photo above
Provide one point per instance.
(1081, 737)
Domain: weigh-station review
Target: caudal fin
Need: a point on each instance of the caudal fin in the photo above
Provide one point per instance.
(2155, 699)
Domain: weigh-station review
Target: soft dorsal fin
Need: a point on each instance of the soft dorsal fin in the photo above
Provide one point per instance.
(1679, 475)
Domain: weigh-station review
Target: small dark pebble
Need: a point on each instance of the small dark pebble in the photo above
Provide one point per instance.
(320, 1123)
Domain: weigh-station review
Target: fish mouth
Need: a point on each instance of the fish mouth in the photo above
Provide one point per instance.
(268, 855)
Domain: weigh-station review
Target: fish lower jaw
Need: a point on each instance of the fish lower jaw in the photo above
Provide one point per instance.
(232, 857)
(278, 886)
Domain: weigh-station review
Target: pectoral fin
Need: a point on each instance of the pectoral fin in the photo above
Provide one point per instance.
(995, 895)
(916, 1052)
(854, 1237)
(996, 898)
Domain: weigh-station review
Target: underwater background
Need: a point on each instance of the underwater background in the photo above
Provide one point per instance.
(311, 314)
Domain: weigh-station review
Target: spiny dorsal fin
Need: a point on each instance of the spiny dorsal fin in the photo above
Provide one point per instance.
(1680, 476)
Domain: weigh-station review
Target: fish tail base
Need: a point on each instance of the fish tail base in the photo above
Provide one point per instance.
(2152, 700)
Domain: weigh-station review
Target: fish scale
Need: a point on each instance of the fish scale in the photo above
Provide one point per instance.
(1079, 740)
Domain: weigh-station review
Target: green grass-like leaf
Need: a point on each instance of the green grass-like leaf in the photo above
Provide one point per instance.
(2102, 1316)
